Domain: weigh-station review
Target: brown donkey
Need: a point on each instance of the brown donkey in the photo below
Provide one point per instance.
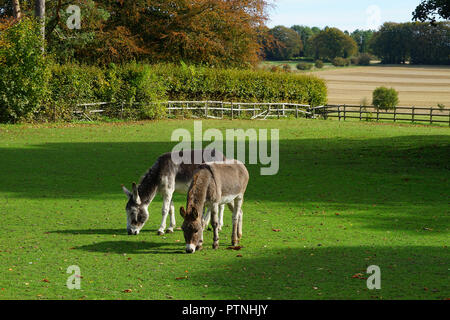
(214, 184)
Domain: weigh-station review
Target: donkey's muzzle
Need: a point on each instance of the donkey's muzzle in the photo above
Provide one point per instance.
(132, 233)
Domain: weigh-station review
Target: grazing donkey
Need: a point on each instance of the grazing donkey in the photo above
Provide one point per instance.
(165, 177)
(214, 184)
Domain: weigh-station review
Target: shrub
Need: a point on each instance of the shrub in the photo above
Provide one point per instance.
(202, 83)
(23, 70)
(385, 98)
(319, 64)
(304, 66)
(364, 59)
(286, 68)
(354, 60)
(340, 62)
(73, 84)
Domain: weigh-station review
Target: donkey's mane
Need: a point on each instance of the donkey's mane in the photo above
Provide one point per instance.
(149, 182)
(197, 193)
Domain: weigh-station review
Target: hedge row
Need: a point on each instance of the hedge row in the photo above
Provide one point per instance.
(69, 85)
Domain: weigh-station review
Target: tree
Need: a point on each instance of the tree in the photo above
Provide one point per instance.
(362, 39)
(418, 42)
(287, 44)
(331, 43)
(305, 34)
(40, 15)
(16, 9)
(429, 10)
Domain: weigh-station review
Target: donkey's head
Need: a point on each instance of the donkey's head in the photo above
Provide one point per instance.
(137, 213)
(192, 228)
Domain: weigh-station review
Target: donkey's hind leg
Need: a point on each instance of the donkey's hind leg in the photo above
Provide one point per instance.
(206, 217)
(239, 231)
(221, 209)
(236, 217)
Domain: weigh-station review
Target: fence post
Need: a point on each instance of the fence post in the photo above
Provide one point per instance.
(170, 111)
(431, 115)
(254, 110)
(296, 112)
(339, 112)
(412, 120)
(221, 105)
(206, 109)
(283, 110)
(360, 112)
(395, 114)
(278, 111)
(378, 113)
(231, 110)
(344, 112)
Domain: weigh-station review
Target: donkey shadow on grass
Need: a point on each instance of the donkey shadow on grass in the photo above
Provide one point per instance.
(131, 247)
(122, 246)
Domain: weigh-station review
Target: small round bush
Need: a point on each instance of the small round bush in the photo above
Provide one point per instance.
(364, 59)
(286, 68)
(304, 66)
(385, 98)
(319, 64)
(354, 60)
(340, 62)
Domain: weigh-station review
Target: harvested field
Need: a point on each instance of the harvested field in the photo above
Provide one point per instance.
(417, 85)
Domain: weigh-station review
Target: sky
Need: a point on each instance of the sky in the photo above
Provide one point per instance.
(344, 14)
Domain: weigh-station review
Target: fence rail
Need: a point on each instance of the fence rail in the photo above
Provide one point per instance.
(264, 110)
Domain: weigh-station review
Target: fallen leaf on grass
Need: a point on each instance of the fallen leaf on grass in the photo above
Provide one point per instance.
(239, 255)
(276, 230)
(234, 247)
(181, 278)
(128, 290)
(45, 280)
(359, 276)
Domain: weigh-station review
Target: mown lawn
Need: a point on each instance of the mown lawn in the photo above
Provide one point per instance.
(348, 195)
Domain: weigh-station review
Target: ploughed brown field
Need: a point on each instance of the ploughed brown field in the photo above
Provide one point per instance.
(421, 86)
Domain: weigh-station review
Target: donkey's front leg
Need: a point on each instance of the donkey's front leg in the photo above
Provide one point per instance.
(167, 200)
(173, 223)
(215, 225)
(236, 218)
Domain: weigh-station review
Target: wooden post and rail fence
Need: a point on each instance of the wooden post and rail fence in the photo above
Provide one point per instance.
(266, 110)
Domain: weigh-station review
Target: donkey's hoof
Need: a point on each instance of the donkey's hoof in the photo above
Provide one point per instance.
(215, 246)
(160, 233)
(169, 231)
(234, 243)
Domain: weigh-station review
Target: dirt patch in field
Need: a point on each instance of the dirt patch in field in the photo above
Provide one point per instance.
(417, 85)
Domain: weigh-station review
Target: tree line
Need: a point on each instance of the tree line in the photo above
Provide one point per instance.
(393, 43)
(218, 33)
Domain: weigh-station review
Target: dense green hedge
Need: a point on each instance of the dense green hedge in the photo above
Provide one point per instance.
(198, 83)
(72, 84)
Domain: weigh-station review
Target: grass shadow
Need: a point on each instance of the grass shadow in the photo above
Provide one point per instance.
(130, 247)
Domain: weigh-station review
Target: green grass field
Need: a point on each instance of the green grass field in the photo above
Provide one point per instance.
(348, 195)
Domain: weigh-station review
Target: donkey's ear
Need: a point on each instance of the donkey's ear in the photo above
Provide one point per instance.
(127, 192)
(136, 193)
(182, 212)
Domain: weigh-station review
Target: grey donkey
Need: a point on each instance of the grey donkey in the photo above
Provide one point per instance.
(166, 176)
